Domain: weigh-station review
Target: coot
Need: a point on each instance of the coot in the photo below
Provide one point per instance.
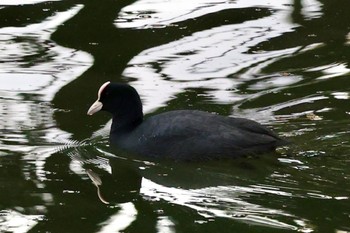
(181, 134)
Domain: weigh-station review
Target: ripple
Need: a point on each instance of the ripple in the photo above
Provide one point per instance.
(331, 70)
(34, 64)
(223, 202)
(224, 66)
(154, 13)
(312, 9)
(13, 221)
(207, 59)
(23, 2)
(33, 69)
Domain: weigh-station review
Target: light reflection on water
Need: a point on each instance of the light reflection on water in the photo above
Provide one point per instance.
(13, 221)
(209, 202)
(220, 202)
(23, 2)
(155, 13)
(206, 58)
(227, 65)
(32, 63)
(33, 69)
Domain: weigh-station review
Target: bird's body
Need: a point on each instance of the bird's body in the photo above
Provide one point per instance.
(181, 134)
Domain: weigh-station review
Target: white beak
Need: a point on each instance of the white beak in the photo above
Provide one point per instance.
(95, 107)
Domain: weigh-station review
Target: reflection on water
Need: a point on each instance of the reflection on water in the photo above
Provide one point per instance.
(284, 63)
(206, 63)
(33, 69)
(221, 201)
(225, 201)
(22, 2)
(32, 63)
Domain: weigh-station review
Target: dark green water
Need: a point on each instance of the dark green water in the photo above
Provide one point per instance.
(282, 63)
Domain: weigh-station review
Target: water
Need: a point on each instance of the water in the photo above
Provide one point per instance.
(283, 63)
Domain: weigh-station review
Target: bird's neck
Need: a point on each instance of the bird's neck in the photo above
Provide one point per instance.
(123, 123)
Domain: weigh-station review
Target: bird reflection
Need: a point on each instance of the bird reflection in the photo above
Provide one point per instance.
(116, 180)
(212, 189)
(119, 179)
(96, 180)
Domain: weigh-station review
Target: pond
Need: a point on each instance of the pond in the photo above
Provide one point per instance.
(282, 63)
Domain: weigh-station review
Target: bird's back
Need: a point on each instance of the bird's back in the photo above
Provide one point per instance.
(195, 135)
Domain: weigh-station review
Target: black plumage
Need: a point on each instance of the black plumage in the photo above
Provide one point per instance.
(181, 134)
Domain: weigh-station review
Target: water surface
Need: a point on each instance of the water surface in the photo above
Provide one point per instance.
(284, 64)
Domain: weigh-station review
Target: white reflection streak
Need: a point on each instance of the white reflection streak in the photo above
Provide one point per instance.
(347, 39)
(13, 221)
(209, 202)
(121, 220)
(212, 56)
(167, 12)
(43, 79)
(23, 2)
(165, 225)
(341, 95)
(334, 70)
(48, 77)
(264, 113)
(163, 13)
(311, 9)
